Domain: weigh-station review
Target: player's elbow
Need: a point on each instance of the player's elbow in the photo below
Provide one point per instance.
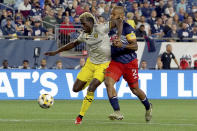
(135, 47)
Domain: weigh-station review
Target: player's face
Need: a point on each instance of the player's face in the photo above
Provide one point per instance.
(86, 26)
(115, 14)
(169, 48)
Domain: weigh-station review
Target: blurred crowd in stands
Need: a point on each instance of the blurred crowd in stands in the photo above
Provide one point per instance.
(175, 20)
(156, 18)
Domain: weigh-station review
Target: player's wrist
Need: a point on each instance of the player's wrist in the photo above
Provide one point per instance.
(124, 46)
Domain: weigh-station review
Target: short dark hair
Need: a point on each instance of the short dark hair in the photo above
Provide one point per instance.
(25, 61)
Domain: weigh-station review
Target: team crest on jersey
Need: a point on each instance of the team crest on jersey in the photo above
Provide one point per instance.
(96, 35)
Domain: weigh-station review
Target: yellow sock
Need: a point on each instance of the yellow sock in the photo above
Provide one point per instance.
(86, 103)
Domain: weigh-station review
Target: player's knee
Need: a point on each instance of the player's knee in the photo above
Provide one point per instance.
(75, 89)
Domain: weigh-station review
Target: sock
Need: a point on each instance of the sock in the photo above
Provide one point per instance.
(86, 103)
(114, 103)
(146, 103)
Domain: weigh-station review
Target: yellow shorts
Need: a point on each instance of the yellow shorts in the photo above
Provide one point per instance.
(91, 71)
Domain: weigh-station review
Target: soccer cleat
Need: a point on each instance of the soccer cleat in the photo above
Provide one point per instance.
(116, 116)
(148, 115)
(78, 120)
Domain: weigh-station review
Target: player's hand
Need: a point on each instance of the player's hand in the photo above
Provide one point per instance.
(51, 53)
(117, 43)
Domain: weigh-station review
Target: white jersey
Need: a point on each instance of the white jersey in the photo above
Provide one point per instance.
(98, 43)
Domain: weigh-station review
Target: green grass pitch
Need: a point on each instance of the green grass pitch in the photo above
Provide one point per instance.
(168, 115)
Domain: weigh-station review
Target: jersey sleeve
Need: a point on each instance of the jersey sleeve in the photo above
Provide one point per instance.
(80, 37)
(173, 57)
(130, 33)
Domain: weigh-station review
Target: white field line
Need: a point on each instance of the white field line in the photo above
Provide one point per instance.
(100, 122)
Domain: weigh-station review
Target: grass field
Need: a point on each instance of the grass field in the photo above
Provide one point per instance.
(168, 115)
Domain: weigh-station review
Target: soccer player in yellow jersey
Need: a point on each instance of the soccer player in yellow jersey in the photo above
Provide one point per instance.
(99, 51)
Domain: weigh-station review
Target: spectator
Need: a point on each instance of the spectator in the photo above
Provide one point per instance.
(190, 23)
(170, 12)
(68, 9)
(143, 65)
(25, 65)
(49, 3)
(182, 5)
(134, 8)
(57, 6)
(81, 64)
(28, 28)
(7, 15)
(137, 18)
(173, 33)
(94, 12)
(59, 17)
(160, 8)
(152, 20)
(176, 21)
(24, 7)
(72, 16)
(193, 33)
(50, 19)
(157, 30)
(141, 31)
(101, 20)
(195, 17)
(184, 32)
(79, 10)
(194, 9)
(167, 56)
(5, 65)
(77, 23)
(87, 8)
(146, 25)
(43, 64)
(19, 26)
(65, 34)
(36, 12)
(130, 20)
(3, 16)
(50, 34)
(8, 29)
(94, 4)
(164, 19)
(168, 26)
(106, 13)
(181, 14)
(101, 7)
(159, 65)
(146, 10)
(59, 65)
(38, 30)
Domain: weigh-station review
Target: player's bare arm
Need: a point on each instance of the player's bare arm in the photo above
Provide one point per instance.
(132, 44)
(64, 48)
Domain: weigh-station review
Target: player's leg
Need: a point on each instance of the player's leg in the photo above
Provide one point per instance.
(112, 75)
(79, 85)
(131, 76)
(98, 77)
(89, 97)
(83, 79)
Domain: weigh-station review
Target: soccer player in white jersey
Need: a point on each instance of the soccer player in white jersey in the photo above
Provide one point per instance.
(99, 50)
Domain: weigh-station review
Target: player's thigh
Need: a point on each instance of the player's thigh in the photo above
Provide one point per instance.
(114, 71)
(86, 74)
(131, 74)
(99, 71)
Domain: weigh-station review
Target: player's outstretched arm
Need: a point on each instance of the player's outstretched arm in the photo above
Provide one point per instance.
(64, 48)
(131, 46)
